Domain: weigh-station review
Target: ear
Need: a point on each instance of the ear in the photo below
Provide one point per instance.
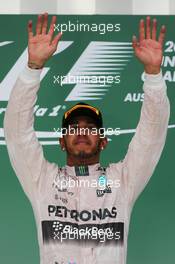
(62, 144)
(104, 142)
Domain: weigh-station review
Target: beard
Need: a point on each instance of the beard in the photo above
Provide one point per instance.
(83, 155)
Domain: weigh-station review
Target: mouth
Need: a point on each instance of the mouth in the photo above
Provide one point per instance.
(81, 141)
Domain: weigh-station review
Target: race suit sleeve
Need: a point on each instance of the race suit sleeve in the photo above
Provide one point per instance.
(25, 151)
(147, 144)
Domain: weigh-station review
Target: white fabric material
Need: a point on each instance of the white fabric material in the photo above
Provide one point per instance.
(51, 206)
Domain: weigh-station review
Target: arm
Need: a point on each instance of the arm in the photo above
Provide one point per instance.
(148, 142)
(25, 152)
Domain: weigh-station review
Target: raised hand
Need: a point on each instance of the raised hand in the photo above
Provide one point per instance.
(42, 45)
(149, 48)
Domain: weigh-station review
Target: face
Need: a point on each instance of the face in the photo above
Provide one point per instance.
(83, 143)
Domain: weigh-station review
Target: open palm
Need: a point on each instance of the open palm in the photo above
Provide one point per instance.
(149, 50)
(42, 45)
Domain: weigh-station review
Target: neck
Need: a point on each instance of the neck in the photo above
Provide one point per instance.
(75, 161)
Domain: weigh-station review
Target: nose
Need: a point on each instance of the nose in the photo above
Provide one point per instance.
(81, 129)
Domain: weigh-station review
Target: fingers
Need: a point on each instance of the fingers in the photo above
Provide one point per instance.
(148, 27)
(56, 39)
(142, 30)
(51, 30)
(39, 24)
(30, 32)
(154, 29)
(136, 45)
(42, 24)
(162, 35)
(45, 22)
(150, 33)
(134, 42)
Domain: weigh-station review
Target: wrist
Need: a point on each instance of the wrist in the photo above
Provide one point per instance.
(35, 65)
(152, 69)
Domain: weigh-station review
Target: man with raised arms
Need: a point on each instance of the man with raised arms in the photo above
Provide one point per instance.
(85, 224)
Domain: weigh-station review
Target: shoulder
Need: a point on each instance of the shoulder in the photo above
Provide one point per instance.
(115, 167)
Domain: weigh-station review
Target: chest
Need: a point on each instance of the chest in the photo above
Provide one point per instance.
(86, 198)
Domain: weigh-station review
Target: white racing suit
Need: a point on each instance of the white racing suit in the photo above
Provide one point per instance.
(87, 222)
